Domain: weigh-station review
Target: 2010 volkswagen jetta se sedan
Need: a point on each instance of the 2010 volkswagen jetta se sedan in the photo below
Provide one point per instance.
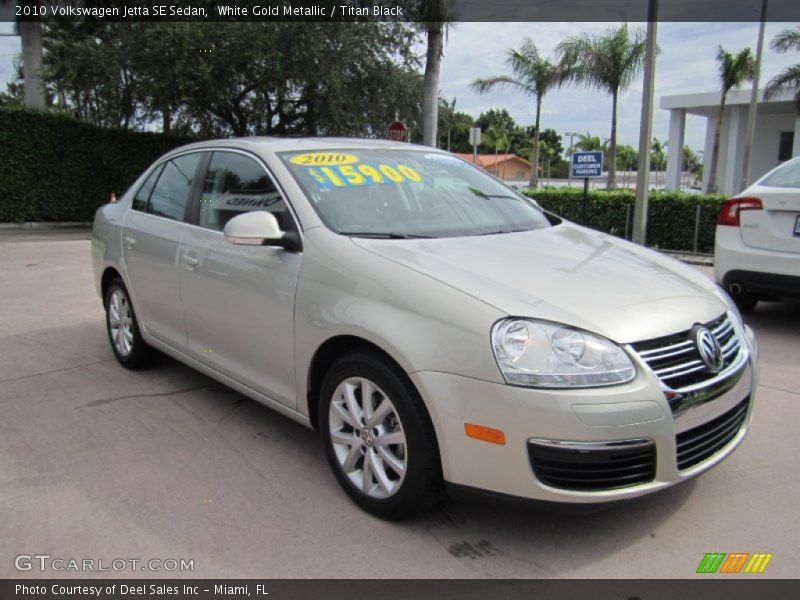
(438, 328)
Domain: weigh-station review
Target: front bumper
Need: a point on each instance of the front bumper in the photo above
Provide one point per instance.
(635, 411)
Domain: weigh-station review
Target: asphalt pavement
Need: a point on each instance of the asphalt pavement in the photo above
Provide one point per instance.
(97, 462)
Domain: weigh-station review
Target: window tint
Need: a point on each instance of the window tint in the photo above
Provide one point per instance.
(236, 184)
(172, 189)
(143, 195)
(787, 175)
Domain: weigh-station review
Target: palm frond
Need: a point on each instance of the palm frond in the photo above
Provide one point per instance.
(484, 85)
(788, 39)
(786, 80)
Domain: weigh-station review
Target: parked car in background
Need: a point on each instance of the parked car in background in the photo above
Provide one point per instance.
(757, 247)
(437, 328)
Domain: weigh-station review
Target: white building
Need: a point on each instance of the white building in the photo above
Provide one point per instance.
(777, 136)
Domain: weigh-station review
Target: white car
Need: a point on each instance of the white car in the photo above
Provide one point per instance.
(757, 248)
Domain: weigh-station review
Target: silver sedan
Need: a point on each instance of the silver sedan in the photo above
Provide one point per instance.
(440, 330)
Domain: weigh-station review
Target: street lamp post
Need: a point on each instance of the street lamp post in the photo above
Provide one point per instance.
(645, 129)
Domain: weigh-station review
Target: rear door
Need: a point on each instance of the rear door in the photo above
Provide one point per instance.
(151, 238)
(238, 301)
(777, 226)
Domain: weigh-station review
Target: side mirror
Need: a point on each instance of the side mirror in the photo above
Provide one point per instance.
(259, 228)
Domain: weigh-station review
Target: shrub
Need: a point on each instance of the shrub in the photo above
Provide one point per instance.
(55, 168)
(670, 220)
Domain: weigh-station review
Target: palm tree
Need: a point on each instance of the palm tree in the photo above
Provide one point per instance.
(533, 75)
(435, 16)
(789, 78)
(497, 136)
(588, 142)
(733, 71)
(30, 32)
(447, 117)
(609, 62)
(658, 158)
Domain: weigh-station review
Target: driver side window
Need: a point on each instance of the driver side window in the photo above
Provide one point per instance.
(235, 184)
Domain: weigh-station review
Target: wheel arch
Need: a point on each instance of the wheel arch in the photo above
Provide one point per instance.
(326, 355)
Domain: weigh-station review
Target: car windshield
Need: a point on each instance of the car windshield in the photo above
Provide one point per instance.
(408, 194)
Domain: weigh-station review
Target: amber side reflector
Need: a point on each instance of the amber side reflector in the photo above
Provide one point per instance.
(485, 434)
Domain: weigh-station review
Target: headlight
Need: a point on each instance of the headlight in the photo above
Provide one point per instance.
(538, 354)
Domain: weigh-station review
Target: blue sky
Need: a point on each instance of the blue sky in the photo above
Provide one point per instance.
(686, 64)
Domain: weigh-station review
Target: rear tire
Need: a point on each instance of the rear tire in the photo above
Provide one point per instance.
(378, 437)
(745, 301)
(127, 343)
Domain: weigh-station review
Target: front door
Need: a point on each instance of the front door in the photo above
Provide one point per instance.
(238, 301)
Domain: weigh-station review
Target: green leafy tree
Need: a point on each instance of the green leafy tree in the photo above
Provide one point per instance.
(789, 78)
(733, 70)
(533, 75)
(609, 62)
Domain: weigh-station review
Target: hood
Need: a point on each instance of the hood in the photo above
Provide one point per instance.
(566, 274)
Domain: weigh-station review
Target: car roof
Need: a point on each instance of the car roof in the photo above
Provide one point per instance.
(282, 144)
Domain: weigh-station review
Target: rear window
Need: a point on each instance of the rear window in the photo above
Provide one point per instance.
(408, 193)
(787, 175)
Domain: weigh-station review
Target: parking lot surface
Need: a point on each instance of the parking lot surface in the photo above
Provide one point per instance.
(97, 462)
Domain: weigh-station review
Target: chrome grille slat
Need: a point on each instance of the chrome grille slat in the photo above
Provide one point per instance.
(668, 371)
(650, 353)
(699, 367)
(675, 360)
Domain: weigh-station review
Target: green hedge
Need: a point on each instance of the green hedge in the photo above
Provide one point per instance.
(55, 168)
(670, 220)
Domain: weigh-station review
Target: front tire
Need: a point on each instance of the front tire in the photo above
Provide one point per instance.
(123, 328)
(378, 437)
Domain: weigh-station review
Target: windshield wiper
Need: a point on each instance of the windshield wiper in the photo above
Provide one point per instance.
(499, 231)
(478, 192)
(385, 236)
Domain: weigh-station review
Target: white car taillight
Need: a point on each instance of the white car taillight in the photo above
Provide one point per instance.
(729, 213)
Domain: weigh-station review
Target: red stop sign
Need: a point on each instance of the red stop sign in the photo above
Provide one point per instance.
(398, 132)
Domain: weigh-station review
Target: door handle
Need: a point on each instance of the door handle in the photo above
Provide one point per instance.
(129, 242)
(190, 261)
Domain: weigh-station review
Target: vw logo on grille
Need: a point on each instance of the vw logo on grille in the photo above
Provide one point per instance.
(708, 348)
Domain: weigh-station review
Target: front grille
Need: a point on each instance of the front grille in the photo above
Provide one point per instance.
(597, 469)
(676, 361)
(697, 444)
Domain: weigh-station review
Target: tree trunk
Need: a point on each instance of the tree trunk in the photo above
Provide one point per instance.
(166, 115)
(534, 180)
(611, 182)
(31, 34)
(711, 186)
(430, 86)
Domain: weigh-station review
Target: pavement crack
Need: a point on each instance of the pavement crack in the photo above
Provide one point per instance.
(97, 362)
(102, 401)
(779, 389)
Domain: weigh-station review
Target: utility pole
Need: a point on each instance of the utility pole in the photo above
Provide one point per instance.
(571, 148)
(751, 113)
(646, 128)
